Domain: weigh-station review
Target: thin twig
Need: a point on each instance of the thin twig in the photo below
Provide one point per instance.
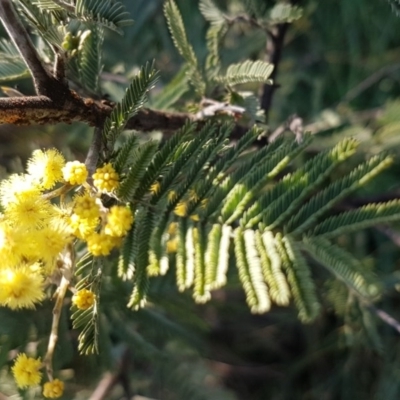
(68, 262)
(275, 42)
(371, 80)
(94, 151)
(22, 41)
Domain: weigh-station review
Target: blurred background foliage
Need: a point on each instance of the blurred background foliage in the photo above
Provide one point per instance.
(340, 73)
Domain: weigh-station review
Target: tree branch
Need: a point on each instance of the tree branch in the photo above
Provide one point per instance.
(45, 83)
(275, 43)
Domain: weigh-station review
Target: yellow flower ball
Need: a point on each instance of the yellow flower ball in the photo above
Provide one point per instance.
(119, 221)
(86, 207)
(100, 244)
(21, 287)
(46, 167)
(106, 179)
(26, 371)
(53, 389)
(84, 299)
(75, 173)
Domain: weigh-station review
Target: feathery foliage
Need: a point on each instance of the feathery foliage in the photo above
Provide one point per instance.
(135, 97)
(181, 42)
(12, 66)
(247, 71)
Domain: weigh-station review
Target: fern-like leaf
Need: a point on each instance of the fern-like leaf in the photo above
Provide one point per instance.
(141, 158)
(111, 14)
(178, 33)
(211, 12)
(324, 200)
(299, 278)
(12, 66)
(343, 266)
(201, 293)
(355, 220)
(90, 59)
(250, 273)
(304, 182)
(217, 255)
(86, 321)
(271, 264)
(246, 72)
(135, 97)
(285, 13)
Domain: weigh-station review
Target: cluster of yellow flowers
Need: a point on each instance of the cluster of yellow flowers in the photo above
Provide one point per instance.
(36, 228)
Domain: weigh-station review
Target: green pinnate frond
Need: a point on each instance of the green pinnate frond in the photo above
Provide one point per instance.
(161, 164)
(202, 206)
(50, 25)
(12, 66)
(141, 158)
(201, 293)
(158, 256)
(217, 255)
(126, 267)
(214, 36)
(90, 58)
(211, 12)
(86, 321)
(143, 227)
(224, 184)
(184, 275)
(246, 72)
(247, 188)
(324, 200)
(134, 99)
(271, 264)
(111, 14)
(361, 218)
(178, 33)
(250, 273)
(299, 277)
(304, 182)
(123, 155)
(283, 12)
(343, 266)
(196, 169)
(50, 5)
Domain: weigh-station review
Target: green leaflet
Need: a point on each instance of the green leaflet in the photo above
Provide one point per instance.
(178, 34)
(271, 264)
(247, 71)
(90, 64)
(299, 277)
(135, 97)
(362, 218)
(111, 14)
(249, 270)
(12, 66)
(86, 321)
(343, 266)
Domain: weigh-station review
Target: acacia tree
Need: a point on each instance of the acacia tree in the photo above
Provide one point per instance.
(217, 194)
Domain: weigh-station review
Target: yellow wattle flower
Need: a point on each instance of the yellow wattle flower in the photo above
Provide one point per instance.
(119, 221)
(106, 179)
(84, 299)
(75, 173)
(26, 371)
(100, 244)
(53, 389)
(46, 167)
(86, 207)
(21, 287)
